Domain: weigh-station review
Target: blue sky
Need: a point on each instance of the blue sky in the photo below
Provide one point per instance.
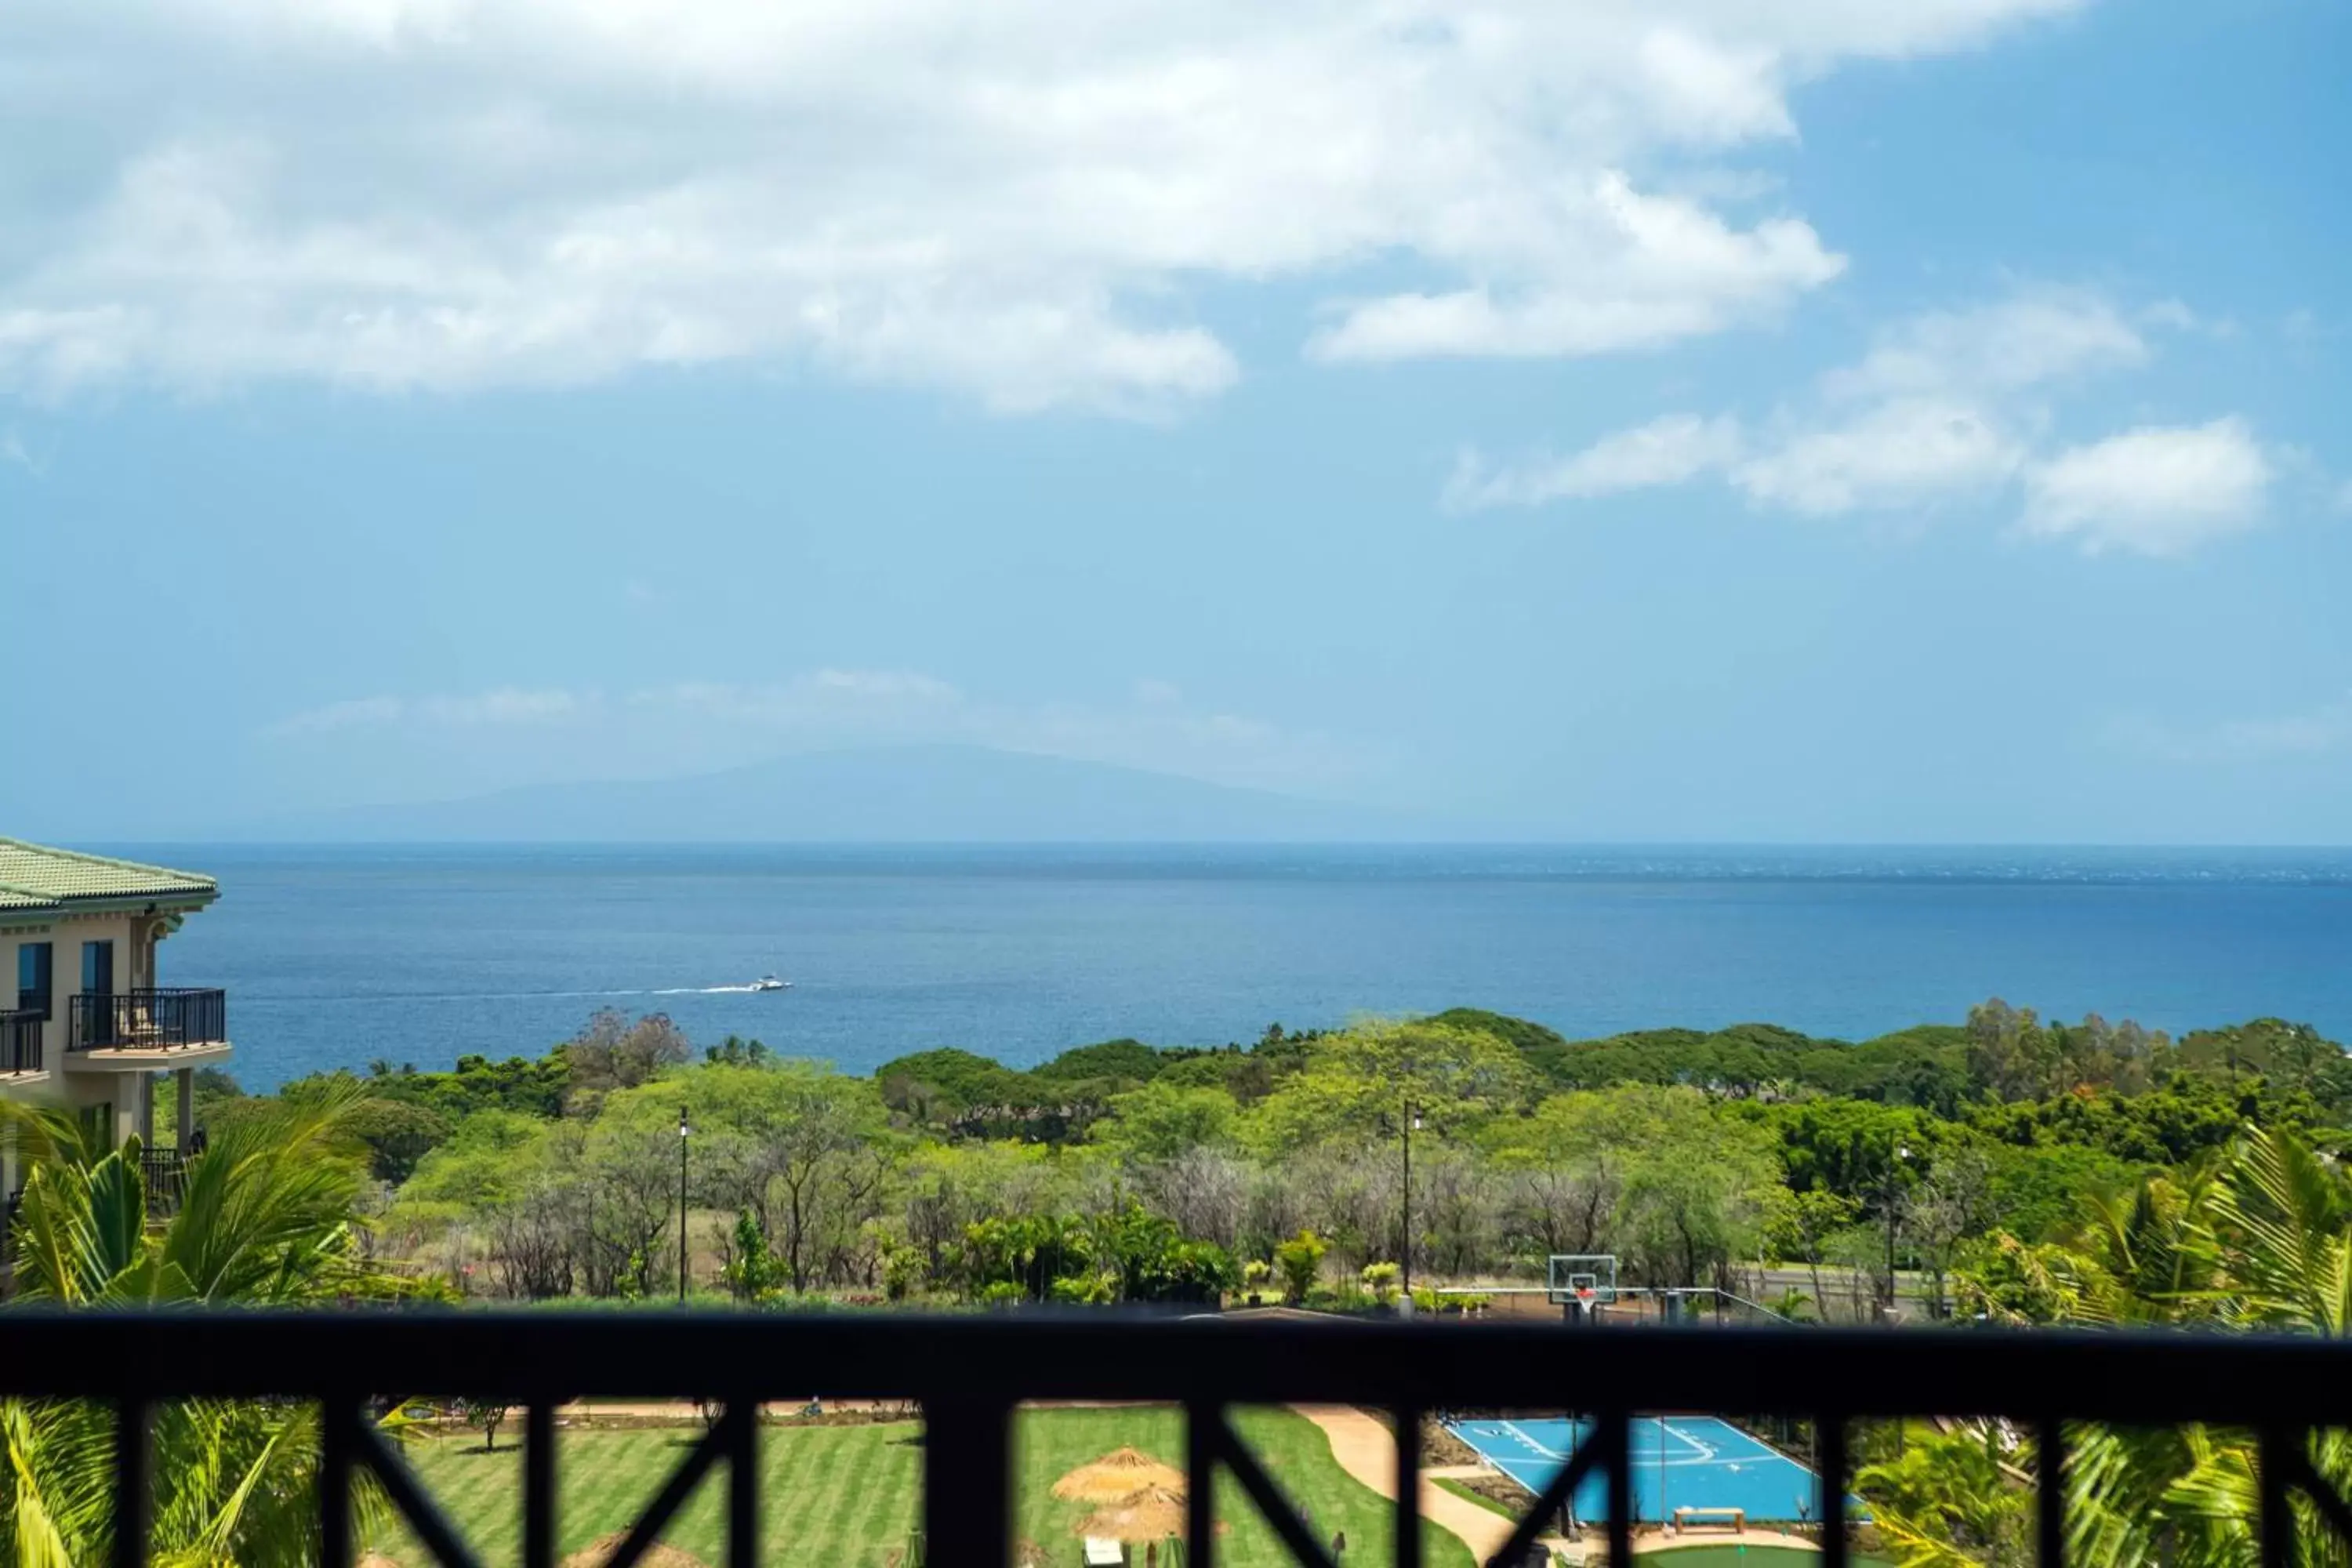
(1682, 420)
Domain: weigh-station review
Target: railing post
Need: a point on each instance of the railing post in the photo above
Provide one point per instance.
(539, 1485)
(134, 1482)
(1829, 1457)
(2277, 1522)
(1201, 1484)
(337, 1453)
(2049, 1494)
(743, 1483)
(1620, 1455)
(1408, 1487)
(967, 1483)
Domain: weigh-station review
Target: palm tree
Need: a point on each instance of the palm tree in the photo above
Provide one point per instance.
(269, 1215)
(2261, 1241)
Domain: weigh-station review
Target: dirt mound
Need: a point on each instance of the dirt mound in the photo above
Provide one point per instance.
(597, 1553)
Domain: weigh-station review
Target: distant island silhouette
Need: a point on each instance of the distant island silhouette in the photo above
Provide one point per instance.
(914, 793)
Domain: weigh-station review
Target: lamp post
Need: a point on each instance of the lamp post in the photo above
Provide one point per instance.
(686, 1130)
(1411, 1124)
(1901, 1153)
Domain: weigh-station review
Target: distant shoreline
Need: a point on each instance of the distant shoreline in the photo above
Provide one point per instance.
(1954, 864)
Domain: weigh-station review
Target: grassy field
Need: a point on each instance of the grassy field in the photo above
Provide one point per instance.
(845, 1496)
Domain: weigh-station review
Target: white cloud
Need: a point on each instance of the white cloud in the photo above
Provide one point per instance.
(1645, 270)
(1947, 406)
(2156, 490)
(1911, 452)
(502, 706)
(1669, 451)
(2314, 733)
(451, 194)
(865, 701)
(2032, 339)
(2344, 496)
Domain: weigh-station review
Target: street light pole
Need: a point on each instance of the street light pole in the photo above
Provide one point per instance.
(1899, 1153)
(1411, 1120)
(684, 1132)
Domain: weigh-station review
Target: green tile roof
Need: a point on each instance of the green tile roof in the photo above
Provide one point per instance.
(33, 876)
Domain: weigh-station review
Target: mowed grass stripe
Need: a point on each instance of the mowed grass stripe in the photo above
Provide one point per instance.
(845, 1496)
(889, 1495)
(812, 1471)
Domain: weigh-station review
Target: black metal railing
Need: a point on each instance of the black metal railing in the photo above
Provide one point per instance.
(165, 1172)
(969, 1373)
(20, 1041)
(149, 1020)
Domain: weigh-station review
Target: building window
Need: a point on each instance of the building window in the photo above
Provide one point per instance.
(33, 978)
(98, 969)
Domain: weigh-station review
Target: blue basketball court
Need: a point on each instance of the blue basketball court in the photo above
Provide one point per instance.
(1679, 1461)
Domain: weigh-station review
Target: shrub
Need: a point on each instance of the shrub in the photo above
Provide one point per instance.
(1300, 1259)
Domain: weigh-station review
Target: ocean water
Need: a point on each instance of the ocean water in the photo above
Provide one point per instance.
(334, 957)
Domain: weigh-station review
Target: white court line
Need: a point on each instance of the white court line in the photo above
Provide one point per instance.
(1547, 1451)
(1706, 1452)
(1702, 1453)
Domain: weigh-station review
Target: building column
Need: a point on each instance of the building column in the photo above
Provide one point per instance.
(147, 1110)
(184, 1079)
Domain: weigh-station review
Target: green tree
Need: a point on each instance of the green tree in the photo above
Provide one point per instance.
(751, 1271)
(2265, 1242)
(1131, 1061)
(613, 1052)
(1362, 1082)
(1300, 1262)
(735, 1052)
(489, 1415)
(1162, 1121)
(1799, 1227)
(1946, 1502)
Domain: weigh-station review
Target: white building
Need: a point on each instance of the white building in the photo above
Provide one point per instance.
(89, 1024)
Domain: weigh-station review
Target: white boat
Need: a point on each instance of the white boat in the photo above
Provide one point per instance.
(769, 983)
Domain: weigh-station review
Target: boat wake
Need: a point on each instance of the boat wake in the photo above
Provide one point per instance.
(267, 999)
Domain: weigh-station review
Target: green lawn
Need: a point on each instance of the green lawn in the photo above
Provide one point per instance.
(844, 1497)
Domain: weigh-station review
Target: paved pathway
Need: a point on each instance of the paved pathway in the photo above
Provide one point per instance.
(1367, 1450)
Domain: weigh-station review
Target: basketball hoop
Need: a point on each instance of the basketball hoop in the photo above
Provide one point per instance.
(1581, 1279)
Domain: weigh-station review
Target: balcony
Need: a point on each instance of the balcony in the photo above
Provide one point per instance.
(150, 1023)
(20, 1043)
(970, 1374)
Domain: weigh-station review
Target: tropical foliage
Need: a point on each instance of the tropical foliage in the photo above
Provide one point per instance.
(2258, 1239)
(266, 1217)
(1692, 1155)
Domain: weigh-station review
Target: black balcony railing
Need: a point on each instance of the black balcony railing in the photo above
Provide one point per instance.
(969, 1373)
(20, 1041)
(165, 1172)
(149, 1020)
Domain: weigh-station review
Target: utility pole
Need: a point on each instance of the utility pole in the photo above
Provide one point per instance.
(684, 1132)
